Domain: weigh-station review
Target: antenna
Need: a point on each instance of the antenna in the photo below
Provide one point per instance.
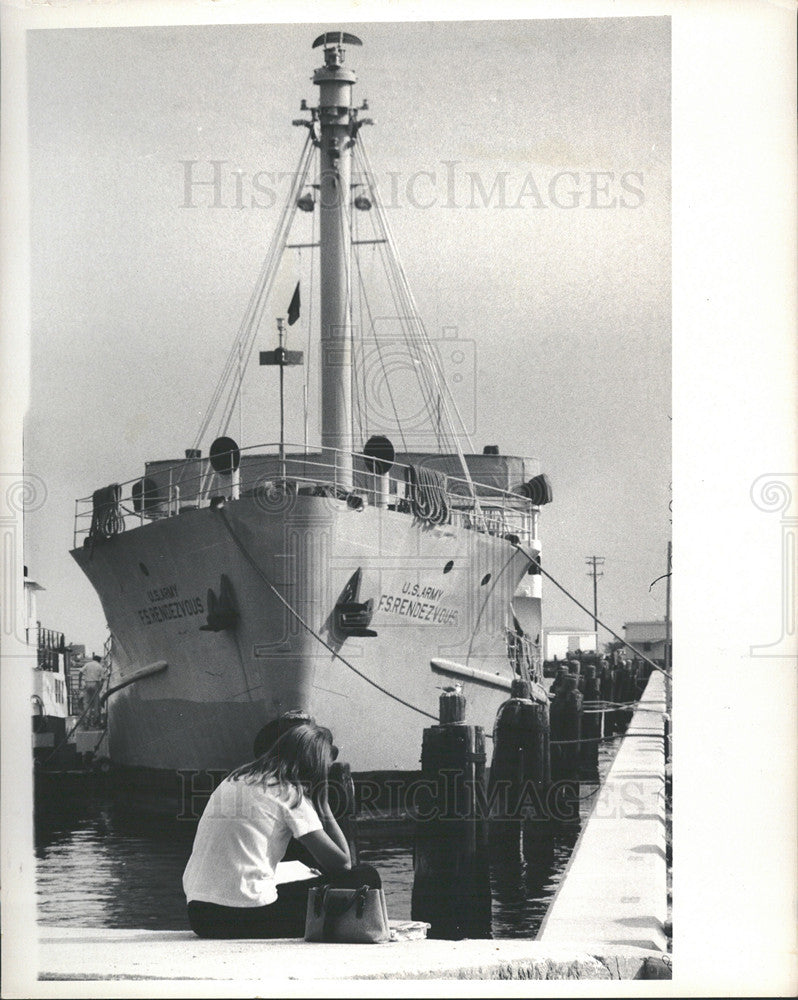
(281, 357)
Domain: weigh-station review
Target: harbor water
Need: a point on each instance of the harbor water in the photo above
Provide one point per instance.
(99, 864)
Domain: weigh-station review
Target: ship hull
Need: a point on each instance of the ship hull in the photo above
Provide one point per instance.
(438, 592)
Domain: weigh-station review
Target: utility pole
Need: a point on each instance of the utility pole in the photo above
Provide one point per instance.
(594, 562)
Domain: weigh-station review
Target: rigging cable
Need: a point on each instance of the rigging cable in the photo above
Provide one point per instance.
(263, 278)
(378, 345)
(250, 324)
(404, 314)
(426, 345)
(247, 329)
(263, 291)
(260, 307)
(536, 562)
(357, 410)
(310, 316)
(403, 310)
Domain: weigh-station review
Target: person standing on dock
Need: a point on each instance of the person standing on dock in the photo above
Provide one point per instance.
(92, 676)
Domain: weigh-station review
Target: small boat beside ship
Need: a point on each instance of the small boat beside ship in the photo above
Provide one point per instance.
(351, 578)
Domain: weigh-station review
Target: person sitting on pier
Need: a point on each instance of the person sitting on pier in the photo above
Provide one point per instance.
(243, 834)
(276, 728)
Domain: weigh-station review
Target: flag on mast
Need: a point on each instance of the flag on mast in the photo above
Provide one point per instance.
(293, 309)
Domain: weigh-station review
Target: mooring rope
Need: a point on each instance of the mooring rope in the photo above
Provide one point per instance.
(291, 610)
(536, 562)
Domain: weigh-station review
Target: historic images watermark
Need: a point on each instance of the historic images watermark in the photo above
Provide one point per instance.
(448, 184)
(20, 494)
(420, 389)
(777, 493)
(447, 796)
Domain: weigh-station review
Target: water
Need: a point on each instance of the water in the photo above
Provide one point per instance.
(100, 865)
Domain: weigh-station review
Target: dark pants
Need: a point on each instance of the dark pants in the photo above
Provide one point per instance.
(285, 918)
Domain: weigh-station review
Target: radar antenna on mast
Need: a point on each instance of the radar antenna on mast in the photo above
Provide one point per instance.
(330, 38)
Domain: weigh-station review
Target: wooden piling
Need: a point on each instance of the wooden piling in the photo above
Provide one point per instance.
(560, 679)
(624, 694)
(451, 883)
(591, 727)
(520, 772)
(566, 731)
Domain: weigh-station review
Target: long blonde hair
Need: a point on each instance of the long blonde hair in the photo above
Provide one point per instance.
(299, 761)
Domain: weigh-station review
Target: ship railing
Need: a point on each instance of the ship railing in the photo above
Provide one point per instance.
(49, 644)
(269, 476)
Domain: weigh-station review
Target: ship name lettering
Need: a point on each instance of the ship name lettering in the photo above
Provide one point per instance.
(422, 611)
(426, 593)
(172, 609)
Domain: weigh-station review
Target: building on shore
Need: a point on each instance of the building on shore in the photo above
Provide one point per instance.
(649, 637)
(563, 641)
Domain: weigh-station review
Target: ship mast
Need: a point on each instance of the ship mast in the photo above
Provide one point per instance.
(338, 126)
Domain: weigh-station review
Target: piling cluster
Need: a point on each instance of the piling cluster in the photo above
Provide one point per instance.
(545, 744)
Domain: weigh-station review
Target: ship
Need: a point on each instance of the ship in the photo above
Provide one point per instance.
(351, 578)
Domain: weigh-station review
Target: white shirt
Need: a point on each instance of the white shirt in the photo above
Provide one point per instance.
(92, 672)
(242, 835)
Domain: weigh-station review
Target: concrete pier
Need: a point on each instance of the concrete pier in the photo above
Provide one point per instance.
(89, 954)
(605, 922)
(614, 890)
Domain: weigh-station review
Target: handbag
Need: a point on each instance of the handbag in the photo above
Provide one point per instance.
(350, 916)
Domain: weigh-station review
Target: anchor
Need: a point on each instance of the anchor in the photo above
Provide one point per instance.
(222, 613)
(351, 617)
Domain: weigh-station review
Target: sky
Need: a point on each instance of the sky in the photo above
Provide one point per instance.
(559, 282)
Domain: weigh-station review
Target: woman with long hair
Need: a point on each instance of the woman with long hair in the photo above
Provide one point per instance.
(244, 833)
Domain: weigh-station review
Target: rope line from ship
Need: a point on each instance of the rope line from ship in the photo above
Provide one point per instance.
(599, 708)
(536, 562)
(615, 706)
(291, 610)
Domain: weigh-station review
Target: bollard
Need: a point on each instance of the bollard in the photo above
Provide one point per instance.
(566, 727)
(520, 772)
(451, 881)
(591, 727)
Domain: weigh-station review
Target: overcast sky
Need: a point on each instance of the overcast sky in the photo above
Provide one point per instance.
(560, 286)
